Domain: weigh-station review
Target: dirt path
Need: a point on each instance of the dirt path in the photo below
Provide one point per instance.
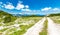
(34, 30)
(53, 29)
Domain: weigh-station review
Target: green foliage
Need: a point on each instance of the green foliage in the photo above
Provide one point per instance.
(8, 17)
(3, 30)
(23, 29)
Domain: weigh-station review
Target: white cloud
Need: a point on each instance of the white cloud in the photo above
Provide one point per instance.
(20, 13)
(26, 6)
(56, 9)
(35, 10)
(19, 6)
(8, 6)
(46, 9)
(26, 10)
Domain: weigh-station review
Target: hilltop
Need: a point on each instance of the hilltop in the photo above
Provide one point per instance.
(6, 17)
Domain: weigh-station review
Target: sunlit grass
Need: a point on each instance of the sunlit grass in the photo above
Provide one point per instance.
(56, 19)
(23, 28)
(3, 29)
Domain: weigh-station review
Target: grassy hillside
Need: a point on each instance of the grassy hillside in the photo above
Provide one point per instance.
(6, 17)
(51, 15)
(16, 25)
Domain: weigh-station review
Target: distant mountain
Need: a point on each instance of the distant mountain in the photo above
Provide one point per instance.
(26, 15)
(6, 17)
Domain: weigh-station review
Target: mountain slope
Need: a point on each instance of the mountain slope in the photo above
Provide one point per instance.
(6, 17)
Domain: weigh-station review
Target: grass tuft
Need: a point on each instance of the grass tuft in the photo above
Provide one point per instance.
(44, 31)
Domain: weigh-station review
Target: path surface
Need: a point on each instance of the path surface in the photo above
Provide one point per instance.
(34, 30)
(53, 29)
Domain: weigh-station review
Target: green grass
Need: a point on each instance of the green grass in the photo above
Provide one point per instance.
(31, 18)
(44, 31)
(56, 19)
(8, 24)
(3, 30)
(24, 28)
(9, 20)
(1, 24)
(24, 19)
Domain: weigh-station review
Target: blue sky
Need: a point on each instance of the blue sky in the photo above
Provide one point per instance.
(30, 6)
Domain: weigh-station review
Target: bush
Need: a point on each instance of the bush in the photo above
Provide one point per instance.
(7, 19)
